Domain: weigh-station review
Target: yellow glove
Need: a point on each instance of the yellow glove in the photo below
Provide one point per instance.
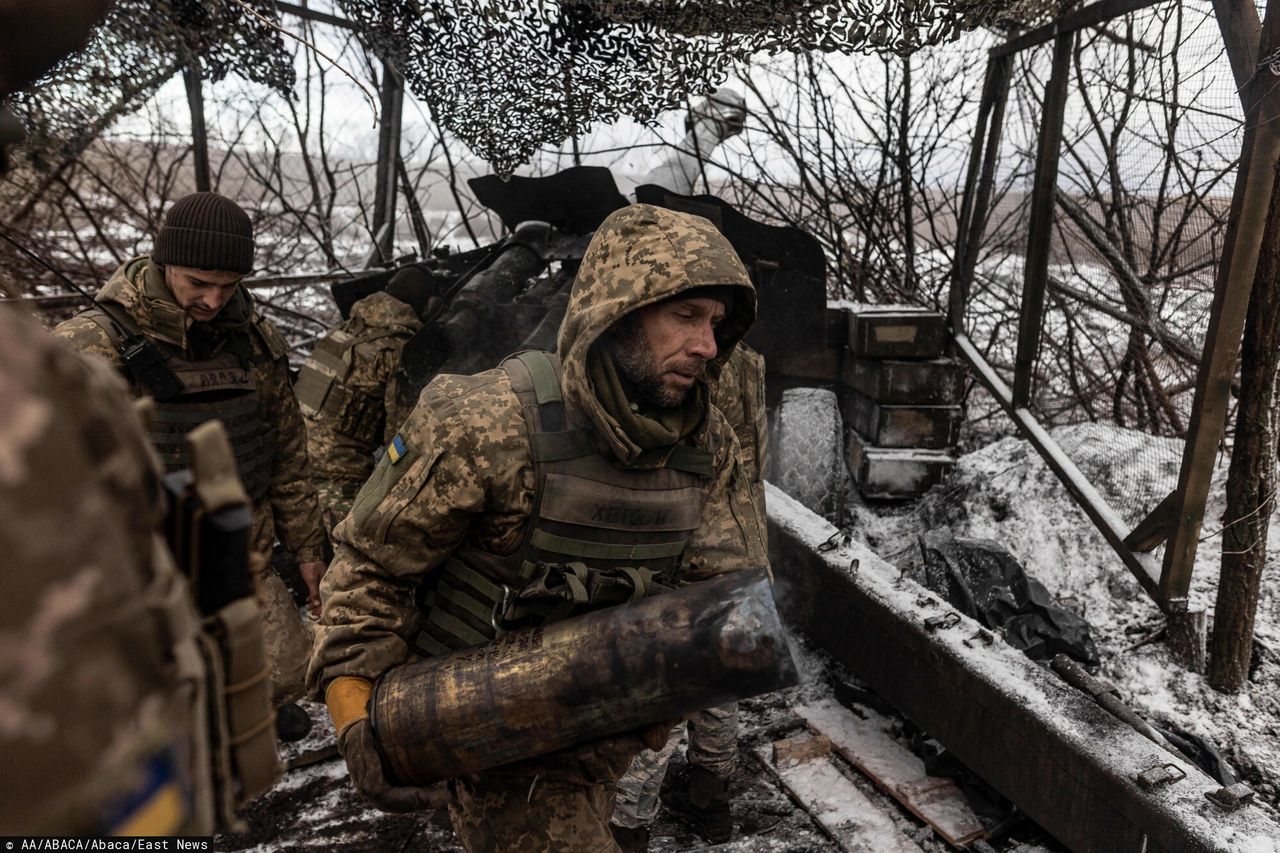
(348, 701)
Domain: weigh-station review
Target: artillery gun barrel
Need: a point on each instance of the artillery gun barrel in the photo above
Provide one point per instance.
(611, 671)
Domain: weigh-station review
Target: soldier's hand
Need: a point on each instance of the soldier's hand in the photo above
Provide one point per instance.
(311, 575)
(364, 763)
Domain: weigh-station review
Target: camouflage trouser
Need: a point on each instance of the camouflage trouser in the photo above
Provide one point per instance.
(713, 746)
(519, 814)
(286, 634)
(336, 498)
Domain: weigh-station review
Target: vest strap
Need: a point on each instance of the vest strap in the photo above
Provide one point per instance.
(559, 446)
(452, 625)
(691, 460)
(601, 551)
(546, 381)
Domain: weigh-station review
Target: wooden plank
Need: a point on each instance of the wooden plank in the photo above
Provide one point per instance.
(845, 814)
(803, 747)
(969, 240)
(867, 744)
(1040, 226)
(1087, 17)
(315, 15)
(1246, 225)
(1085, 494)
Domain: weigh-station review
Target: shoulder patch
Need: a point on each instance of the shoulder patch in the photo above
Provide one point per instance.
(270, 337)
(396, 450)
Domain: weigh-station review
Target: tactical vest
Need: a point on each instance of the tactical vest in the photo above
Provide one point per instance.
(189, 392)
(322, 389)
(599, 533)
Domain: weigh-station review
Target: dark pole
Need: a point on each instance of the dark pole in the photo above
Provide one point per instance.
(391, 97)
(1251, 478)
(1036, 273)
(982, 178)
(199, 134)
(1246, 228)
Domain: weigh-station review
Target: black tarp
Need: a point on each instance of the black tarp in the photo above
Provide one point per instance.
(984, 581)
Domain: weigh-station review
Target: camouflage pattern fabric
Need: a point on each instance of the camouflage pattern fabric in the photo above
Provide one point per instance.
(291, 511)
(739, 394)
(515, 814)
(462, 470)
(99, 674)
(342, 463)
(713, 746)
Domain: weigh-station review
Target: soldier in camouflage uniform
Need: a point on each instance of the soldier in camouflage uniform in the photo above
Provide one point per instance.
(182, 330)
(738, 393)
(349, 389)
(107, 727)
(461, 505)
(79, 505)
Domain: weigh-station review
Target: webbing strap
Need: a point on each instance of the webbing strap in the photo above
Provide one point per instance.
(546, 384)
(454, 626)
(430, 646)
(691, 460)
(558, 446)
(603, 551)
(475, 580)
(466, 601)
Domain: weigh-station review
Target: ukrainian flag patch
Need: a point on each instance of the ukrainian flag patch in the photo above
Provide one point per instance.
(396, 449)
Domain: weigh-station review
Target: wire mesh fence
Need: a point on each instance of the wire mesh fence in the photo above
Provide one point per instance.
(1151, 138)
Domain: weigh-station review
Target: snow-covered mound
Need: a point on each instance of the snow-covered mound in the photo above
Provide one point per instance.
(1005, 492)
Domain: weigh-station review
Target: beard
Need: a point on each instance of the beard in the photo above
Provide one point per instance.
(639, 366)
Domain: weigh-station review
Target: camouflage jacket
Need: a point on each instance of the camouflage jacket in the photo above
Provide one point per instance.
(97, 625)
(463, 473)
(739, 395)
(386, 324)
(290, 511)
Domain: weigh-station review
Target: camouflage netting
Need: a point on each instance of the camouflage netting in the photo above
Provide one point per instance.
(504, 76)
(509, 76)
(140, 45)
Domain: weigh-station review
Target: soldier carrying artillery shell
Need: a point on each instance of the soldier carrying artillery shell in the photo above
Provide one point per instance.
(481, 516)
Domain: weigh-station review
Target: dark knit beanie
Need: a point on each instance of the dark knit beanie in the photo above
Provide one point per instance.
(206, 231)
(413, 287)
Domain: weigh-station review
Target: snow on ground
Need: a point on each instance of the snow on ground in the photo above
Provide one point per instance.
(1005, 492)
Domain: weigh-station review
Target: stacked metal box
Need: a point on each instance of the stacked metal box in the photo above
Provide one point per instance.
(899, 396)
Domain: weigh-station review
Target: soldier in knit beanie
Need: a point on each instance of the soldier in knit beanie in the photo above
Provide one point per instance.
(202, 250)
(206, 231)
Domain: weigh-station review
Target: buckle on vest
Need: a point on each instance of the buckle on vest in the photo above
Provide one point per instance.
(497, 616)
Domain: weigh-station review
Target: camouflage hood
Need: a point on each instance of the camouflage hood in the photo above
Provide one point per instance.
(138, 286)
(382, 310)
(641, 255)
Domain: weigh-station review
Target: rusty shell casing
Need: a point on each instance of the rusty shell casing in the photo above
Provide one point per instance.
(615, 670)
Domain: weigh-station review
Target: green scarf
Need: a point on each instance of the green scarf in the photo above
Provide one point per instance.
(228, 331)
(649, 427)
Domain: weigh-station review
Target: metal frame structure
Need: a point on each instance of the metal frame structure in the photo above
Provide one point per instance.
(1177, 519)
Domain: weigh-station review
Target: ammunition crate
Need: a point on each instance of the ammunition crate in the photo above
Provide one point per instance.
(892, 473)
(932, 382)
(927, 427)
(896, 331)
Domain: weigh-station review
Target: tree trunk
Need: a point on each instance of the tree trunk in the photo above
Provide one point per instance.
(1251, 479)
